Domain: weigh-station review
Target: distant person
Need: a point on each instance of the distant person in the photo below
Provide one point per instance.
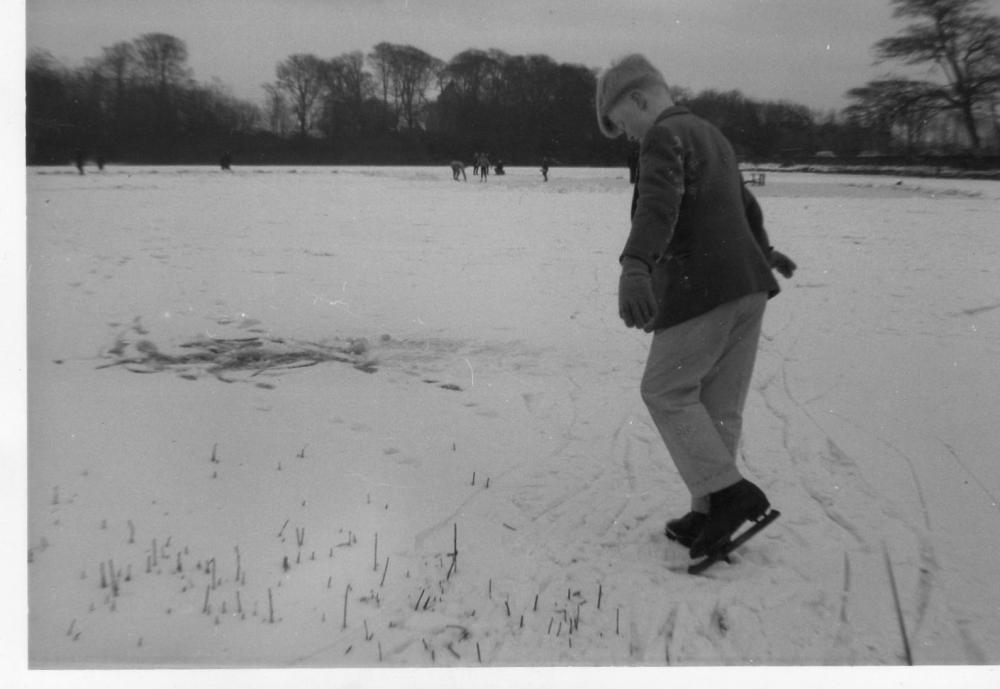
(100, 162)
(498, 168)
(484, 167)
(458, 167)
(78, 159)
(226, 161)
(475, 163)
(546, 162)
(697, 276)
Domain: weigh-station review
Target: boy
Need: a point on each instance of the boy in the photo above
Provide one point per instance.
(484, 167)
(698, 276)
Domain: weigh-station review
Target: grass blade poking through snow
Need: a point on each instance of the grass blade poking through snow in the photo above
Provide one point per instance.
(899, 609)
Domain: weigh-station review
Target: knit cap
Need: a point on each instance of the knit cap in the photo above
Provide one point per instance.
(631, 72)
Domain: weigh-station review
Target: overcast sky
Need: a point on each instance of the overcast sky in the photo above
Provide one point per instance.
(806, 51)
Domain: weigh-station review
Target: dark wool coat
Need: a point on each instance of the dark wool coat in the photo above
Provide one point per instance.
(689, 220)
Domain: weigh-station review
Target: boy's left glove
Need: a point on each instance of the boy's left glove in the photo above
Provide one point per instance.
(636, 301)
(782, 263)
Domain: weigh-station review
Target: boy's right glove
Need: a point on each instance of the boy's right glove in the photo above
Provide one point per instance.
(636, 301)
(782, 263)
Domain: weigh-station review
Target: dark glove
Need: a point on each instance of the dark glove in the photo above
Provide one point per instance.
(782, 263)
(636, 302)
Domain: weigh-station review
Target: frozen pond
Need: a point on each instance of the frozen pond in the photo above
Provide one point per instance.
(375, 417)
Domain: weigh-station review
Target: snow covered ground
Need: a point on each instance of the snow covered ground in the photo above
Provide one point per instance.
(267, 408)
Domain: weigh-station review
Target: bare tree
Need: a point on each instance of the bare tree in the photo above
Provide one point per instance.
(405, 73)
(961, 40)
(415, 70)
(302, 77)
(356, 82)
(381, 59)
(470, 72)
(162, 60)
(896, 103)
(212, 108)
(47, 96)
(348, 85)
(276, 111)
(118, 62)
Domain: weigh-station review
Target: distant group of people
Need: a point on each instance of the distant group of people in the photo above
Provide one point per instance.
(80, 160)
(481, 167)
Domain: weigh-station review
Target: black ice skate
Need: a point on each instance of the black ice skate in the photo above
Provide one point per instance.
(723, 552)
(686, 529)
(728, 509)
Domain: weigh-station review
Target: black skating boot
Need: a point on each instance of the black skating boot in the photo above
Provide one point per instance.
(686, 529)
(729, 508)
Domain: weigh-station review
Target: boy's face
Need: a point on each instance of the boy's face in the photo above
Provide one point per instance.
(632, 115)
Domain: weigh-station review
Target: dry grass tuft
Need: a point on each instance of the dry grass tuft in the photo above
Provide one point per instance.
(222, 357)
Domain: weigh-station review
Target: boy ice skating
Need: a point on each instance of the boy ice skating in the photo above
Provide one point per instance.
(458, 168)
(697, 275)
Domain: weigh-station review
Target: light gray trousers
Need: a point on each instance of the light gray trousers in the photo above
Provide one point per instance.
(695, 385)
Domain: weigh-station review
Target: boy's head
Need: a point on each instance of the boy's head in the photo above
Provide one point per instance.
(631, 93)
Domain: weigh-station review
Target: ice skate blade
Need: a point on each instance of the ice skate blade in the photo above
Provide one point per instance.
(724, 542)
(724, 551)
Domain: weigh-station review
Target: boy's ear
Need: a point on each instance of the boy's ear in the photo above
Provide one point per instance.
(639, 98)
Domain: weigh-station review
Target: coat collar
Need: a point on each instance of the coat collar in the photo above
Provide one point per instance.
(670, 112)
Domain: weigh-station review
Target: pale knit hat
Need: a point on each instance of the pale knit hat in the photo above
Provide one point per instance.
(631, 72)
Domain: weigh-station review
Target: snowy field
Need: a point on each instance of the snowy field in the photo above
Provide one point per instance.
(372, 417)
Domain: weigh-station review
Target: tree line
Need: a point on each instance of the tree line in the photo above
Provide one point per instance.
(960, 42)
(138, 102)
